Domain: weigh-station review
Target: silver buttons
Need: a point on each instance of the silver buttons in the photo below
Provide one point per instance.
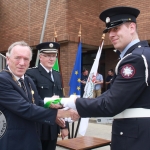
(139, 46)
(121, 133)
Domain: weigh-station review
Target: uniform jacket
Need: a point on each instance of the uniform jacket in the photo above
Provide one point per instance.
(22, 116)
(47, 88)
(128, 90)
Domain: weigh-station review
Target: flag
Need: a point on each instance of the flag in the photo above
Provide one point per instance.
(75, 80)
(89, 87)
(56, 66)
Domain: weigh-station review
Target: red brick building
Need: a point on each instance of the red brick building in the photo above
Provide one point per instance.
(23, 20)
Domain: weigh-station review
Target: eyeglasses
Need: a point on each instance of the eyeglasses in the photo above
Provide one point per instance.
(49, 56)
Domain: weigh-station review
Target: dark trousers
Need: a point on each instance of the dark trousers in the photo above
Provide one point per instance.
(49, 144)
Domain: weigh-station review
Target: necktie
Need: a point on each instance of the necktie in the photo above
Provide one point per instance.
(23, 86)
(50, 74)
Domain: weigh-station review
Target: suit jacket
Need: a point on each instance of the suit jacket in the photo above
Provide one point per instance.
(22, 116)
(47, 88)
(128, 90)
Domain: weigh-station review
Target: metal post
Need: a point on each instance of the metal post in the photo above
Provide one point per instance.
(43, 30)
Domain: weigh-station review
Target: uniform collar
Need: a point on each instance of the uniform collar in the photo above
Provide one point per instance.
(46, 68)
(128, 46)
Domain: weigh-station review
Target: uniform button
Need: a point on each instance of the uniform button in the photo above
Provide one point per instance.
(139, 46)
(42, 87)
(121, 133)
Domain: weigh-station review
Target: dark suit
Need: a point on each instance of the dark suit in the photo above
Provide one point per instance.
(128, 90)
(21, 115)
(47, 88)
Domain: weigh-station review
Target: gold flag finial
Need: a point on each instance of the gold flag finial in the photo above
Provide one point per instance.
(79, 31)
(103, 36)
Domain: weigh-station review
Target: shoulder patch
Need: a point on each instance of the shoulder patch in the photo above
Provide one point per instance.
(33, 67)
(3, 124)
(127, 71)
(55, 70)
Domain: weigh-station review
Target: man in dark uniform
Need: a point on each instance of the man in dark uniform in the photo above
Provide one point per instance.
(21, 109)
(48, 83)
(128, 99)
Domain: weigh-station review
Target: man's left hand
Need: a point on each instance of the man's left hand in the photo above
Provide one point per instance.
(64, 133)
(60, 122)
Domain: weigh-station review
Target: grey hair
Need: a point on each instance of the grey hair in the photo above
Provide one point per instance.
(20, 43)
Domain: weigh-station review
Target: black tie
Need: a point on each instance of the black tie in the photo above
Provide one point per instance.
(50, 75)
(23, 86)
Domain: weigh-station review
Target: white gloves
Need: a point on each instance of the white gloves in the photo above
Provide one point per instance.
(69, 102)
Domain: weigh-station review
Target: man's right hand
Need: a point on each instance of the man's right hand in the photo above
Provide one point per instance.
(68, 113)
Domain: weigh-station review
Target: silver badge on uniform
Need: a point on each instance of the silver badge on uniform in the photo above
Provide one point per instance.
(3, 124)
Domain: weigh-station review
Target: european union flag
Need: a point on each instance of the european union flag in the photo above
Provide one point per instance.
(75, 80)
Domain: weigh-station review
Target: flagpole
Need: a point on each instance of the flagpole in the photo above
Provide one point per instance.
(79, 35)
(102, 40)
(90, 85)
(58, 55)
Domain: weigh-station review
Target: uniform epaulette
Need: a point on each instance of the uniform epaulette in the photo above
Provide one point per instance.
(56, 70)
(33, 67)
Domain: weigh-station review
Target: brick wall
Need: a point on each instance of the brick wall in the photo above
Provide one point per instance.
(23, 20)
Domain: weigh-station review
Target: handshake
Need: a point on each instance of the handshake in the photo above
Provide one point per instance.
(68, 104)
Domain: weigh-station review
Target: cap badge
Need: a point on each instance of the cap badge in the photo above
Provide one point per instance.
(107, 20)
(51, 45)
(129, 19)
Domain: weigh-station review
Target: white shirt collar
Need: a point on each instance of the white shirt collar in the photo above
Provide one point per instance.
(17, 78)
(128, 46)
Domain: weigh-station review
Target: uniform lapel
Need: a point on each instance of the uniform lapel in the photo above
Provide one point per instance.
(15, 83)
(54, 76)
(28, 89)
(43, 72)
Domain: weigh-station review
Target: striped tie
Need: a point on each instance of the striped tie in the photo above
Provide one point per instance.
(23, 85)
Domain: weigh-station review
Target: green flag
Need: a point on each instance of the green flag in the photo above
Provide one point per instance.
(56, 66)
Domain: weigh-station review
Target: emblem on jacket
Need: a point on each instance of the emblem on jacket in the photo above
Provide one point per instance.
(127, 71)
(3, 124)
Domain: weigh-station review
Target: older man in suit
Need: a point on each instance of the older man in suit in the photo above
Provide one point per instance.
(48, 83)
(21, 109)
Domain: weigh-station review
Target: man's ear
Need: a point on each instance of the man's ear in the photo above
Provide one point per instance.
(132, 27)
(7, 60)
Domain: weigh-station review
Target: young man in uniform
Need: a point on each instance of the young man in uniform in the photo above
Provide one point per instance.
(48, 83)
(128, 98)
